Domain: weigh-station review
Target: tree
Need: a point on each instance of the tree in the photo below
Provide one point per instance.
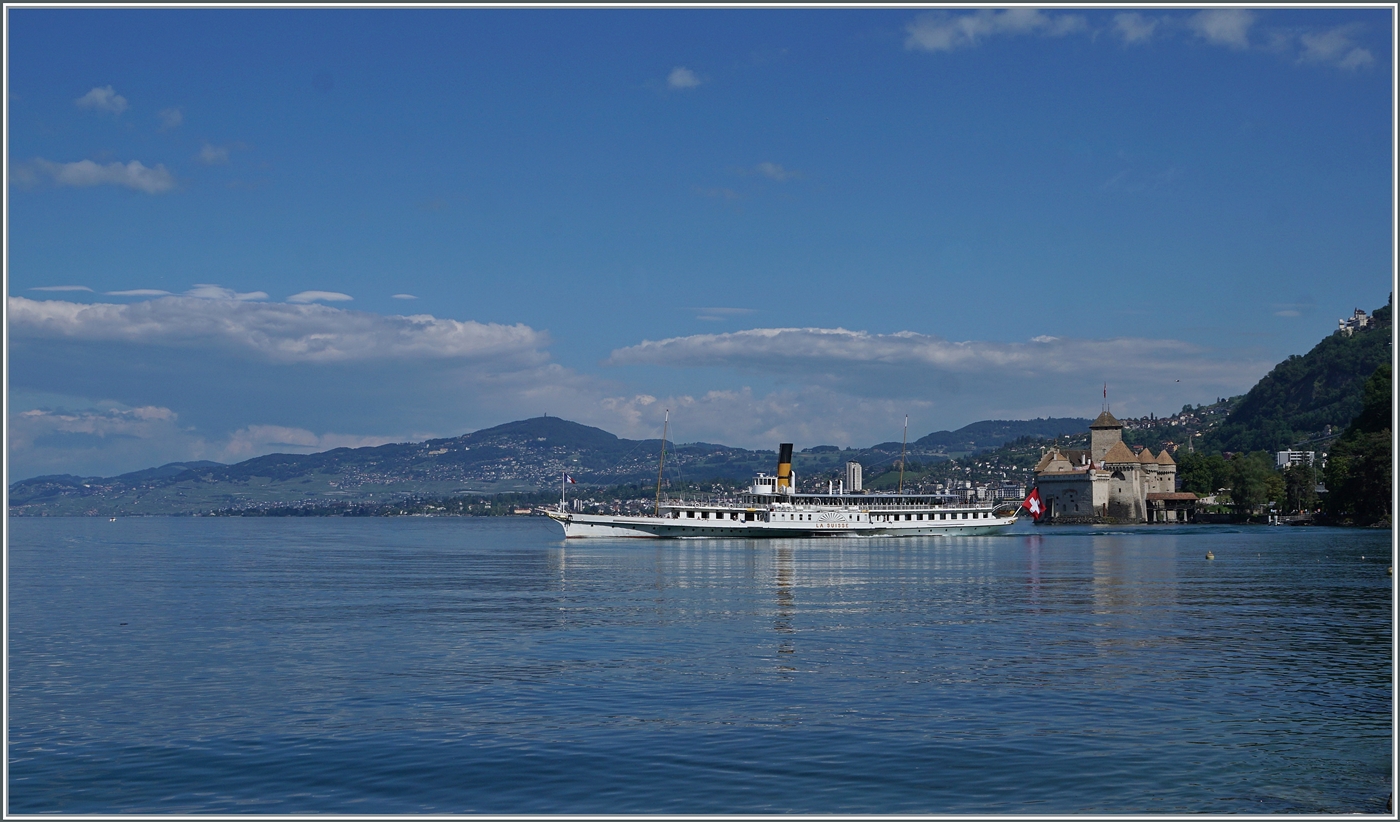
(1300, 488)
(1254, 482)
(1359, 470)
(1202, 474)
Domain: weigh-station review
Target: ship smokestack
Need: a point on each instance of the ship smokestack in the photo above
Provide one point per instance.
(784, 466)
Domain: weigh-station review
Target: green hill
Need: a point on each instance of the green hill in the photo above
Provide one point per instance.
(1303, 395)
(980, 436)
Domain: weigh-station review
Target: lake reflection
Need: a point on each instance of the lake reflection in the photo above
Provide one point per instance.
(444, 665)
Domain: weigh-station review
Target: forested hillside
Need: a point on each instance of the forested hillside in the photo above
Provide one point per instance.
(1305, 394)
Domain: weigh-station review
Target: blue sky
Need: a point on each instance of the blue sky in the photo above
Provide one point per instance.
(288, 230)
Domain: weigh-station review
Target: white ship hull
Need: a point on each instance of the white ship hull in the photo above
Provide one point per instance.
(853, 524)
(773, 509)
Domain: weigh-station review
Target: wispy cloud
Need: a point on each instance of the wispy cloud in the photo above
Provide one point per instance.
(719, 314)
(86, 173)
(212, 155)
(1223, 27)
(60, 288)
(780, 348)
(682, 78)
(1335, 46)
(208, 291)
(261, 439)
(170, 118)
(115, 424)
(1037, 374)
(404, 297)
(319, 296)
(773, 171)
(1132, 27)
(138, 292)
(944, 31)
(275, 332)
(102, 99)
(113, 438)
(1234, 28)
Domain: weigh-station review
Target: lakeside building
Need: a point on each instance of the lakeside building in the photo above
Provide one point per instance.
(1286, 458)
(1108, 483)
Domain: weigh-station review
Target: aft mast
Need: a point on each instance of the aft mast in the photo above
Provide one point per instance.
(662, 463)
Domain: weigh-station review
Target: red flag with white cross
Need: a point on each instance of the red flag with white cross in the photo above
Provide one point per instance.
(1032, 503)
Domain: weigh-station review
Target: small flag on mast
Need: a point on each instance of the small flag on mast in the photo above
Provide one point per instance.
(569, 480)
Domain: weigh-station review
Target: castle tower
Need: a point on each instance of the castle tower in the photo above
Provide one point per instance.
(1103, 433)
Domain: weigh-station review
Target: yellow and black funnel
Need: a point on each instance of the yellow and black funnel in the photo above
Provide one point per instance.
(784, 466)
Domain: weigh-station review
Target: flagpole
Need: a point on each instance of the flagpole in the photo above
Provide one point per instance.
(562, 475)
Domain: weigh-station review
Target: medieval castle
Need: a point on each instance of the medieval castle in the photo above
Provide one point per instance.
(1109, 483)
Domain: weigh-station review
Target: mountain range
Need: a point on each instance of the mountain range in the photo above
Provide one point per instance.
(525, 455)
(1305, 398)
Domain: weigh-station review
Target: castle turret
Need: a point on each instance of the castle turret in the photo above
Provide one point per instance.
(1103, 433)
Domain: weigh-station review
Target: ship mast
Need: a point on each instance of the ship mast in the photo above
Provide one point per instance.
(662, 464)
(902, 447)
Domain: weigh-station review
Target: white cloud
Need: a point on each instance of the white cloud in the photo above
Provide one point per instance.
(102, 99)
(109, 438)
(275, 332)
(963, 380)
(60, 288)
(682, 77)
(207, 291)
(773, 171)
(86, 173)
(1335, 46)
(96, 440)
(319, 296)
(404, 297)
(138, 292)
(170, 118)
(1132, 27)
(1223, 27)
(941, 31)
(212, 155)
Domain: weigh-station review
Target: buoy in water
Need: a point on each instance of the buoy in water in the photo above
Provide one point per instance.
(1210, 555)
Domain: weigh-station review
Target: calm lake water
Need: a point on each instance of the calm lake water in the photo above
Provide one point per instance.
(481, 665)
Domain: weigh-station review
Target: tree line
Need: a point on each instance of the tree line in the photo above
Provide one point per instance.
(1358, 476)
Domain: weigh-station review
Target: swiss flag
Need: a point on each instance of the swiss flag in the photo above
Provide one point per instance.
(1032, 504)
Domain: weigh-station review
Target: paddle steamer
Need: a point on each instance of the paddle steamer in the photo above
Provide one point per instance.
(771, 507)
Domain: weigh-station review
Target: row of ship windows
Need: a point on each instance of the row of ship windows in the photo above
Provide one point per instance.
(908, 517)
(748, 516)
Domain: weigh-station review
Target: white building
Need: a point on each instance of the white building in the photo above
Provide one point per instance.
(1350, 325)
(1287, 458)
(853, 477)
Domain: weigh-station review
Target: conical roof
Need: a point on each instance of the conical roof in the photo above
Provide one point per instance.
(1106, 420)
(1145, 455)
(1119, 453)
(1165, 459)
